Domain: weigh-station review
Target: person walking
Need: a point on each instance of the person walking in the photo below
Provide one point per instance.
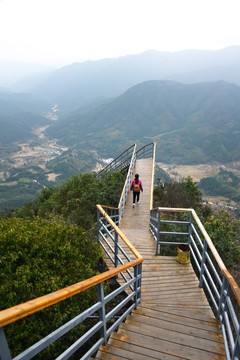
(136, 186)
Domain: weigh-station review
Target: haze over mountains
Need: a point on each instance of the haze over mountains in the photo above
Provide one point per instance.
(79, 83)
(191, 123)
(79, 88)
(188, 102)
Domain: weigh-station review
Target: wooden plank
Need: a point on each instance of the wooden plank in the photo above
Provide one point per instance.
(134, 352)
(163, 346)
(178, 327)
(191, 318)
(177, 337)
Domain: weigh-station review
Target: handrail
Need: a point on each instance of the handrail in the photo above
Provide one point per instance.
(120, 233)
(17, 312)
(111, 166)
(235, 288)
(128, 175)
(219, 284)
(224, 271)
(23, 310)
(132, 281)
(141, 153)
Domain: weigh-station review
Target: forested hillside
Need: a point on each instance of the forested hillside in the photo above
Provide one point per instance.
(19, 114)
(190, 123)
(47, 245)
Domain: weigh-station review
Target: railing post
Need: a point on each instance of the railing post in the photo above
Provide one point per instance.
(102, 312)
(137, 283)
(158, 231)
(222, 300)
(190, 229)
(4, 349)
(116, 249)
(236, 349)
(203, 263)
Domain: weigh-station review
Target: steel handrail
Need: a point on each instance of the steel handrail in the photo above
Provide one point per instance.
(21, 311)
(219, 284)
(235, 288)
(110, 165)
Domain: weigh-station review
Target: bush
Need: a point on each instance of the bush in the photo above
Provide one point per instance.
(76, 199)
(225, 234)
(39, 257)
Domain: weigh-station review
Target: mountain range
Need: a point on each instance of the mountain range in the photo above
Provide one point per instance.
(19, 114)
(188, 102)
(74, 85)
(191, 123)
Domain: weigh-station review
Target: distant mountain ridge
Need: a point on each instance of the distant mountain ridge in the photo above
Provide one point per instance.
(74, 85)
(191, 123)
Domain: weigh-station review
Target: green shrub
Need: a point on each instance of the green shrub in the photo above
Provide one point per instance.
(39, 257)
(225, 234)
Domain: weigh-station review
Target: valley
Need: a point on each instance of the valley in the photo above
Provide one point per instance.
(36, 155)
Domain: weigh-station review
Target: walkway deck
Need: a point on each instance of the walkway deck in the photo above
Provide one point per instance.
(174, 320)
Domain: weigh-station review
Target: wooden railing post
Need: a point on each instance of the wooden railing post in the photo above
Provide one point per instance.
(4, 349)
(102, 312)
(203, 263)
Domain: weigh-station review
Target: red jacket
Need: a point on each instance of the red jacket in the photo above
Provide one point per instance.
(133, 183)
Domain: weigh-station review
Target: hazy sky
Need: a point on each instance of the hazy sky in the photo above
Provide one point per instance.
(59, 32)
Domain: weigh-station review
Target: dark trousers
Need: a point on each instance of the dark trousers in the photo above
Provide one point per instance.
(136, 194)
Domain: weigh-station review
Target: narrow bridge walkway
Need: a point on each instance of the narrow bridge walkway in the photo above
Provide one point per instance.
(174, 319)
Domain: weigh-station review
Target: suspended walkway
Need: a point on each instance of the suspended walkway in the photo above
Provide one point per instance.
(161, 308)
(174, 319)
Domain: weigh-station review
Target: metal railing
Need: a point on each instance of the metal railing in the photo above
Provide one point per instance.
(219, 285)
(128, 159)
(124, 160)
(132, 267)
(120, 162)
(149, 151)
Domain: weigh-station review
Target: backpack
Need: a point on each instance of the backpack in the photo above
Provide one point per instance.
(136, 187)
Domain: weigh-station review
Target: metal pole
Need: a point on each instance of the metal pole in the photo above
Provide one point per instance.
(236, 350)
(4, 349)
(222, 299)
(190, 229)
(116, 249)
(203, 263)
(158, 231)
(102, 312)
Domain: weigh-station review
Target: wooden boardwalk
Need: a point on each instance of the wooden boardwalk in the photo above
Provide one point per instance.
(174, 319)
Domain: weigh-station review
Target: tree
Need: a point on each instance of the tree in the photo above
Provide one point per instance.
(225, 234)
(184, 194)
(37, 258)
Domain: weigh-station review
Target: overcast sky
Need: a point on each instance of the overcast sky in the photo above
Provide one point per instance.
(60, 32)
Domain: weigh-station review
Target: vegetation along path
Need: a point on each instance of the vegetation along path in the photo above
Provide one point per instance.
(174, 319)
